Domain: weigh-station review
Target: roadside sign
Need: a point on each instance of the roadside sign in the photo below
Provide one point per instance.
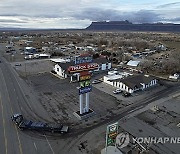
(84, 84)
(85, 90)
(84, 76)
(83, 59)
(83, 67)
(111, 133)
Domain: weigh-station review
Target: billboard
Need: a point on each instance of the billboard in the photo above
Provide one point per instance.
(85, 77)
(85, 90)
(83, 67)
(111, 133)
(83, 59)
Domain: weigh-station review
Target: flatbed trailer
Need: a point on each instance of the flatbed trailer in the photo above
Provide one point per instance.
(23, 124)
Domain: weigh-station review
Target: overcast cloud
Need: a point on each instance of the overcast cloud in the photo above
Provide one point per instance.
(80, 13)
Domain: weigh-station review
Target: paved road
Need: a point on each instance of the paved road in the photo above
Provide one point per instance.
(12, 100)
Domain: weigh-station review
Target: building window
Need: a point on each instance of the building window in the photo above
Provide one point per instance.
(58, 69)
(107, 67)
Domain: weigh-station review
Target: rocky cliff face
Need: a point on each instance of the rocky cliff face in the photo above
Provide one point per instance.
(128, 26)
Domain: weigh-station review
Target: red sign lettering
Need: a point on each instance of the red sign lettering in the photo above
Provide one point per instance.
(83, 67)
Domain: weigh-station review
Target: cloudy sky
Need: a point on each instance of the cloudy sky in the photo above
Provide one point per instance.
(80, 13)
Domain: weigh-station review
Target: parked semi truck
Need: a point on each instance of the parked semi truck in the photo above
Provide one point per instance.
(23, 124)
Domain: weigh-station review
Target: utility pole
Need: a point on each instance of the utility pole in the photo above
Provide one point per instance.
(25, 69)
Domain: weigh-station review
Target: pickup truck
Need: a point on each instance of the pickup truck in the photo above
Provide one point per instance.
(23, 124)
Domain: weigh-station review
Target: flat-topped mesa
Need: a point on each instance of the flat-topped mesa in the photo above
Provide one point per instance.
(128, 26)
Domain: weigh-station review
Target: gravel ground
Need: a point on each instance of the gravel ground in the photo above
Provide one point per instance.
(60, 98)
(33, 67)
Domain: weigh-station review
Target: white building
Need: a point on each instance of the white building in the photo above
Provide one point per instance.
(175, 76)
(113, 76)
(133, 63)
(61, 67)
(60, 60)
(42, 55)
(29, 50)
(104, 64)
(110, 78)
(133, 83)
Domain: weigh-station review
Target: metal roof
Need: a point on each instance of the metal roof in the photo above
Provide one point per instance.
(136, 81)
(133, 63)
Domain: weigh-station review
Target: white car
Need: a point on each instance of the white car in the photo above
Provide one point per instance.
(96, 81)
(117, 91)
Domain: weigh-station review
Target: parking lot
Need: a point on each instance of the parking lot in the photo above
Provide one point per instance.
(61, 99)
(137, 96)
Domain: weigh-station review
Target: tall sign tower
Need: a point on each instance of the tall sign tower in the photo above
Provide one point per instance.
(83, 64)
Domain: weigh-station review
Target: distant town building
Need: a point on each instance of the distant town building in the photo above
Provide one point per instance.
(104, 64)
(29, 50)
(133, 63)
(175, 76)
(42, 56)
(9, 46)
(161, 47)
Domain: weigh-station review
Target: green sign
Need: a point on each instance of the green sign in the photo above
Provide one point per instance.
(84, 84)
(111, 133)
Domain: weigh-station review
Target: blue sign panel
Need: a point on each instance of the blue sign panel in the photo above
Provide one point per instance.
(85, 90)
(83, 59)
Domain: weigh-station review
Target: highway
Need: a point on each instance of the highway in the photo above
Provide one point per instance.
(12, 100)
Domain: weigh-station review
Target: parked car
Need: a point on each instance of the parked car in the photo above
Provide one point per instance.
(96, 81)
(117, 91)
(18, 64)
(126, 94)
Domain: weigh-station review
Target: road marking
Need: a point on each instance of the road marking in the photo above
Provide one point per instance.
(5, 139)
(35, 146)
(49, 144)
